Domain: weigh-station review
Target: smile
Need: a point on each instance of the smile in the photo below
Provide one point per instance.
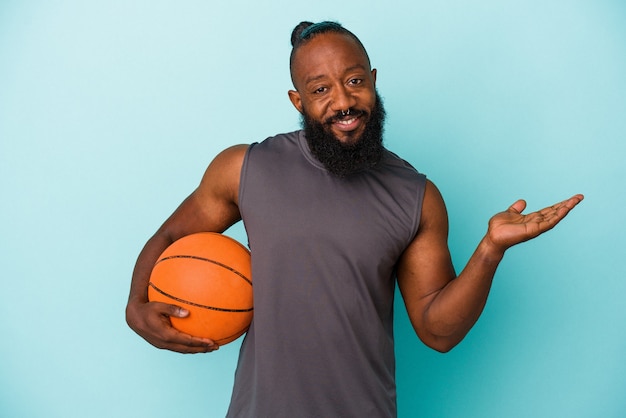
(347, 122)
(347, 125)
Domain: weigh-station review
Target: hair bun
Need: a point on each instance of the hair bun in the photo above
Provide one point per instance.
(297, 31)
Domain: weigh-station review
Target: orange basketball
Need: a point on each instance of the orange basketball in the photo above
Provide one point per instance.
(208, 274)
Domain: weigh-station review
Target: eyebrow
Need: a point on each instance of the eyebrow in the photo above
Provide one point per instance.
(322, 76)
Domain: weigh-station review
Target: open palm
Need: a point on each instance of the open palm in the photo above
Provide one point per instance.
(512, 227)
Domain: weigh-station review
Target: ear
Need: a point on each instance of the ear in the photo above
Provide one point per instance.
(296, 100)
(374, 76)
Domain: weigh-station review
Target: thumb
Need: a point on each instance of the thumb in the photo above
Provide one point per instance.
(518, 207)
(177, 311)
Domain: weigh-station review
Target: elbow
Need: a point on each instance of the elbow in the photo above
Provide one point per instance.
(442, 337)
(441, 344)
(442, 347)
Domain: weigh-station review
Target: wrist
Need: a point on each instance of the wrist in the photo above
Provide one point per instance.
(490, 251)
(137, 300)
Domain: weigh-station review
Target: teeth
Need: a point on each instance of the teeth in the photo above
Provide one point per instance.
(347, 122)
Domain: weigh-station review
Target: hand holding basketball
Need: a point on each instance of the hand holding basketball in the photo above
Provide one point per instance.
(152, 321)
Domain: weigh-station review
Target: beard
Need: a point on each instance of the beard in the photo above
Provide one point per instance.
(345, 159)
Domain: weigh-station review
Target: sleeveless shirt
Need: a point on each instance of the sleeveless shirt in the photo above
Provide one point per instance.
(324, 251)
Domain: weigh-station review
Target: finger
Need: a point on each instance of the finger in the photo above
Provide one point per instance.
(195, 347)
(187, 344)
(518, 207)
(571, 202)
(177, 311)
(187, 349)
(171, 310)
(170, 338)
(549, 217)
(562, 208)
(190, 343)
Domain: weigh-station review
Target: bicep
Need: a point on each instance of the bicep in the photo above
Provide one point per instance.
(213, 205)
(426, 266)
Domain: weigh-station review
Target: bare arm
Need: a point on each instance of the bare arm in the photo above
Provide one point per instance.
(443, 307)
(213, 206)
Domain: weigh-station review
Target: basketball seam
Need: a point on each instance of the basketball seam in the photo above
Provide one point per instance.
(233, 336)
(213, 308)
(195, 257)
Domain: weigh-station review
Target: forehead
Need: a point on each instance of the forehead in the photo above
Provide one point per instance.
(328, 54)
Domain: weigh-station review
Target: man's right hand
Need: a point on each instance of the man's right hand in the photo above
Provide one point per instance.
(151, 320)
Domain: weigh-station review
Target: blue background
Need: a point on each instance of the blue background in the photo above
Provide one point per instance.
(110, 112)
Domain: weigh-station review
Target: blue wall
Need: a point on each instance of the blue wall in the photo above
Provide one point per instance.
(110, 111)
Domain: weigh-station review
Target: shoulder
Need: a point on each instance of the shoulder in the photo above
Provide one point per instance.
(228, 162)
(275, 153)
(233, 155)
(400, 168)
(277, 142)
(392, 159)
(221, 178)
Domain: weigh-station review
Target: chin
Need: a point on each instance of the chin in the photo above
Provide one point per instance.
(348, 138)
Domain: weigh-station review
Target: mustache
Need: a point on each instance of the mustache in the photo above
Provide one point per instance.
(350, 114)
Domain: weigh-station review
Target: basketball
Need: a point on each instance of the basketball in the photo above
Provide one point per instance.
(208, 274)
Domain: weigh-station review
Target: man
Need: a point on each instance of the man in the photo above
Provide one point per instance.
(332, 219)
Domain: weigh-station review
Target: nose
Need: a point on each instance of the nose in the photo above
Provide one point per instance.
(342, 99)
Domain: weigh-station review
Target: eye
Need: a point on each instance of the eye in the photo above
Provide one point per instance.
(355, 81)
(320, 90)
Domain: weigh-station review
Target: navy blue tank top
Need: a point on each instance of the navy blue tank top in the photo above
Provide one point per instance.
(324, 251)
